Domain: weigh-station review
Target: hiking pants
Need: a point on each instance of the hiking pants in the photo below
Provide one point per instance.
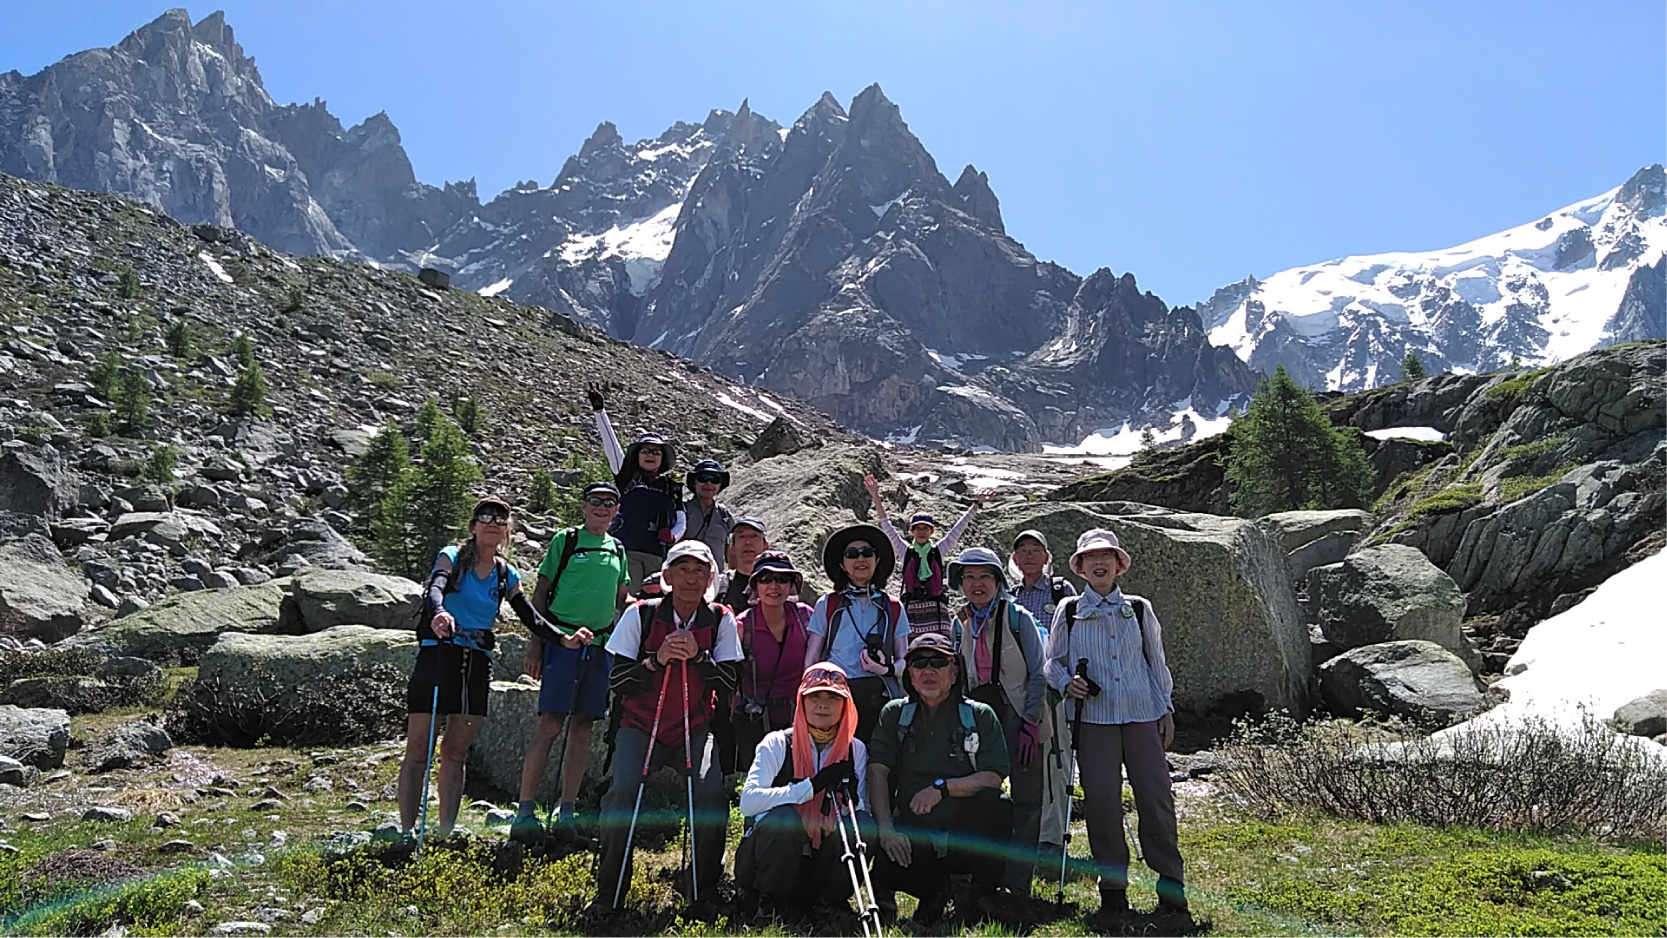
(1025, 787)
(775, 859)
(638, 565)
(711, 808)
(1103, 752)
(1056, 782)
(977, 830)
(869, 694)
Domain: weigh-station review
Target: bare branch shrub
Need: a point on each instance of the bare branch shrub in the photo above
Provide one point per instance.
(358, 705)
(1528, 775)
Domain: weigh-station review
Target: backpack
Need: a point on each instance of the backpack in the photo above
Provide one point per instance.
(570, 546)
(424, 621)
(894, 612)
(1059, 587)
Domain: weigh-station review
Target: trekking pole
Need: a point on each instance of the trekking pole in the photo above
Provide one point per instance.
(870, 902)
(689, 779)
(428, 771)
(566, 731)
(647, 760)
(1071, 777)
(849, 858)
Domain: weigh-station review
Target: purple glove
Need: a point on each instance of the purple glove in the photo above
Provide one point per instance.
(1029, 737)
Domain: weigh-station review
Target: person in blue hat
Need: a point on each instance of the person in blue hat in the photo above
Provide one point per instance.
(705, 519)
(650, 516)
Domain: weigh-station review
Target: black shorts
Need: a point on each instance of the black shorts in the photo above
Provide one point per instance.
(462, 674)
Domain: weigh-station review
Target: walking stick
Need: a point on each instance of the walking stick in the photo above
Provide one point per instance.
(866, 897)
(647, 760)
(433, 721)
(689, 779)
(1071, 776)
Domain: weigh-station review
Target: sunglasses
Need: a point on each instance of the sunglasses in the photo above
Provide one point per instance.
(765, 579)
(852, 553)
(709, 477)
(929, 662)
(650, 451)
(491, 517)
(598, 502)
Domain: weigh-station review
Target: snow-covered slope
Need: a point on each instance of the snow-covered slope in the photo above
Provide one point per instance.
(1584, 276)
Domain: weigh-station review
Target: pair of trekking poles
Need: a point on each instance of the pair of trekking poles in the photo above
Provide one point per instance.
(642, 784)
(844, 803)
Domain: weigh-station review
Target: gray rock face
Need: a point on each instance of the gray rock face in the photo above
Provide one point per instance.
(500, 750)
(36, 482)
(1417, 680)
(1645, 716)
(297, 660)
(13, 772)
(33, 736)
(1387, 593)
(1231, 629)
(39, 596)
(322, 599)
(1315, 538)
(180, 628)
(126, 745)
(316, 544)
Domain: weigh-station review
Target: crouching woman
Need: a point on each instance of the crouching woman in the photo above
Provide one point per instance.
(796, 791)
(454, 665)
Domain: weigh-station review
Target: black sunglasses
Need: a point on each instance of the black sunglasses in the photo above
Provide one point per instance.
(852, 553)
(708, 477)
(929, 662)
(491, 517)
(765, 579)
(598, 502)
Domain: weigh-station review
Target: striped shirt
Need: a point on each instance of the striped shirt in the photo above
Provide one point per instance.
(1126, 660)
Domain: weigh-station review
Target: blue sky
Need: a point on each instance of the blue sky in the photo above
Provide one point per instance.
(1191, 143)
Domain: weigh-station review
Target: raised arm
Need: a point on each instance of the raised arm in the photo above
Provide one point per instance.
(605, 427)
(952, 537)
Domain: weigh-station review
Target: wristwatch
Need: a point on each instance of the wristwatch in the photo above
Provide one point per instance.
(942, 787)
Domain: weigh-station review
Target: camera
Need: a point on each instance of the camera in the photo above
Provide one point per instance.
(752, 708)
(877, 650)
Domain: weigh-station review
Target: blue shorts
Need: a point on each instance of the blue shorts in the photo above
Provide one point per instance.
(567, 686)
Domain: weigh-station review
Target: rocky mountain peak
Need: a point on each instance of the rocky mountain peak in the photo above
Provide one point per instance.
(1645, 193)
(605, 135)
(978, 199)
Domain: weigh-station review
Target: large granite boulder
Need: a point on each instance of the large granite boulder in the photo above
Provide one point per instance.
(34, 737)
(170, 529)
(310, 543)
(1643, 716)
(1387, 593)
(127, 745)
(179, 629)
(1417, 680)
(500, 749)
(36, 482)
(294, 661)
(39, 596)
(323, 599)
(1232, 631)
(1315, 538)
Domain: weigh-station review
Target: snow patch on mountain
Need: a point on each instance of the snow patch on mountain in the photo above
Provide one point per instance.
(643, 244)
(1184, 426)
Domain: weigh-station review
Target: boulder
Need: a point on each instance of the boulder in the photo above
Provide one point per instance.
(499, 750)
(316, 544)
(1643, 716)
(438, 279)
(1417, 680)
(322, 599)
(296, 660)
(1315, 538)
(36, 737)
(54, 692)
(179, 629)
(39, 596)
(1387, 593)
(13, 772)
(171, 529)
(126, 745)
(36, 482)
(1232, 631)
(781, 438)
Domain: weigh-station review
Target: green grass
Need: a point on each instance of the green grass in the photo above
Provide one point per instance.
(1517, 487)
(1508, 392)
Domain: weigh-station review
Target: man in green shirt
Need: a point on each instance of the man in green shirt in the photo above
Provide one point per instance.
(935, 767)
(582, 583)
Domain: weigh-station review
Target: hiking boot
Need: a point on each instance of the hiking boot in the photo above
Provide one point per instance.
(569, 836)
(1172, 896)
(930, 909)
(886, 901)
(1114, 905)
(526, 830)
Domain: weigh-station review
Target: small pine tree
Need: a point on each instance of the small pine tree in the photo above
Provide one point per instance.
(178, 338)
(428, 417)
(133, 400)
(127, 284)
(468, 415)
(159, 466)
(1287, 455)
(429, 506)
(375, 473)
(1148, 440)
(568, 501)
(106, 375)
(243, 349)
(248, 394)
(1412, 367)
(543, 492)
(295, 300)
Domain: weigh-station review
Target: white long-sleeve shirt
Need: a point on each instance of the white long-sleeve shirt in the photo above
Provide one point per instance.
(616, 459)
(757, 794)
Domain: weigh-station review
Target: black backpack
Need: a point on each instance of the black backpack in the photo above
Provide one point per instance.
(570, 546)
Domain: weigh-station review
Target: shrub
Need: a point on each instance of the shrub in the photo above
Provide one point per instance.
(295, 300)
(542, 494)
(127, 284)
(106, 375)
(159, 466)
(65, 673)
(98, 423)
(248, 394)
(365, 703)
(1529, 776)
(468, 415)
(133, 400)
(243, 349)
(86, 892)
(178, 338)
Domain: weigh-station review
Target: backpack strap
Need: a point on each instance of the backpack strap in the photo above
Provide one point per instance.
(968, 722)
(503, 577)
(1059, 587)
(1070, 607)
(831, 610)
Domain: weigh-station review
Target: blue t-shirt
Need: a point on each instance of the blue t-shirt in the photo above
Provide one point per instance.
(472, 603)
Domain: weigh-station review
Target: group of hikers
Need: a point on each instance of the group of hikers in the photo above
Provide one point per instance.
(868, 726)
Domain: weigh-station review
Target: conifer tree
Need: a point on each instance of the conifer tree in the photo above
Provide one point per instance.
(428, 507)
(132, 400)
(543, 492)
(428, 417)
(248, 394)
(1288, 456)
(468, 415)
(375, 473)
(1412, 367)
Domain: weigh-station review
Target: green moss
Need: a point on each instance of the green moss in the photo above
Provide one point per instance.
(1508, 392)
(1518, 487)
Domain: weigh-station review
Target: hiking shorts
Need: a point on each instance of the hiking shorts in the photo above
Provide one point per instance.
(574, 680)
(461, 673)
